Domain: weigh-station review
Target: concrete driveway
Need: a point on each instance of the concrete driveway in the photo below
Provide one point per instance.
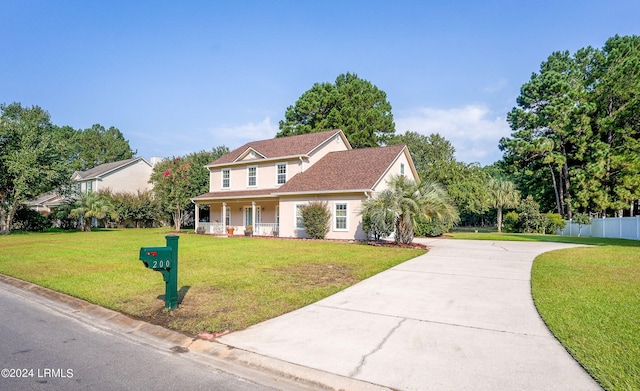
(458, 318)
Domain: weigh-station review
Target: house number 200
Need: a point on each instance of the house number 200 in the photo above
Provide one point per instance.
(161, 264)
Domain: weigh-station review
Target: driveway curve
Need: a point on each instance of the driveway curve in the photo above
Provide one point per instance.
(460, 317)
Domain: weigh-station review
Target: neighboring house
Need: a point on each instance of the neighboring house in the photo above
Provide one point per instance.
(130, 175)
(125, 176)
(264, 184)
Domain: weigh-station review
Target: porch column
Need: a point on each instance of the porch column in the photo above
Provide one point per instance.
(197, 217)
(224, 217)
(253, 215)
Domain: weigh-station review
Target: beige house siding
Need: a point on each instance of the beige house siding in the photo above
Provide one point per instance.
(334, 144)
(238, 174)
(132, 178)
(354, 230)
(396, 169)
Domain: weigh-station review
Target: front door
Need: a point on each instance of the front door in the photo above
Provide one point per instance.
(248, 215)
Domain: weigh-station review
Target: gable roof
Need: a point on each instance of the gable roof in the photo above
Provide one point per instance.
(298, 145)
(354, 169)
(46, 199)
(101, 170)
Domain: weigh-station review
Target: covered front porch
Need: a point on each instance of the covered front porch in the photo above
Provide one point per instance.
(259, 217)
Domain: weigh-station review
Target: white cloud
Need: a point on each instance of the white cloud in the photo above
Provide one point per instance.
(474, 135)
(236, 135)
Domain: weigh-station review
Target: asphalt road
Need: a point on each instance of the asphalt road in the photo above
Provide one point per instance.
(45, 349)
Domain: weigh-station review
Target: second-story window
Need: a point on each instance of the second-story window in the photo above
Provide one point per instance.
(252, 176)
(281, 169)
(402, 169)
(226, 178)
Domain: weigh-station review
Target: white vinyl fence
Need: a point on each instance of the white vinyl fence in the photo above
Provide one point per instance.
(610, 227)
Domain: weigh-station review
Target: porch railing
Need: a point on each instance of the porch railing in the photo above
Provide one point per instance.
(261, 229)
(210, 228)
(265, 229)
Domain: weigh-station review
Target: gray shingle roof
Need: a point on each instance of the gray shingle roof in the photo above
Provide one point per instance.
(104, 168)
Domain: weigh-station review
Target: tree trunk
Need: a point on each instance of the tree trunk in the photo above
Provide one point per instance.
(7, 218)
(565, 173)
(4, 225)
(177, 217)
(499, 212)
(404, 229)
(556, 191)
(86, 225)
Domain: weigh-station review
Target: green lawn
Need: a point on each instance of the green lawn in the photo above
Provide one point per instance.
(589, 298)
(225, 283)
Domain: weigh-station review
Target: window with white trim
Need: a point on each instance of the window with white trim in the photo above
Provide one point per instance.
(402, 169)
(252, 176)
(89, 187)
(281, 170)
(226, 178)
(340, 216)
(299, 219)
(227, 216)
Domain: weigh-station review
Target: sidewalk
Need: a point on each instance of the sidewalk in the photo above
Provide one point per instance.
(458, 318)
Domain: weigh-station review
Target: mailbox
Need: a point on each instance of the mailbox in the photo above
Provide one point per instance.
(156, 257)
(165, 261)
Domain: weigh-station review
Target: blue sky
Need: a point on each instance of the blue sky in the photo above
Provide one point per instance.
(180, 77)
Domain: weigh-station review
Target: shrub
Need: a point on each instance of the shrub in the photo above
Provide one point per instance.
(315, 217)
(432, 228)
(510, 221)
(61, 217)
(376, 229)
(29, 220)
(581, 219)
(134, 210)
(530, 220)
(553, 223)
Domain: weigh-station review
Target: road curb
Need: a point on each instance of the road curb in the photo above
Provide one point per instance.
(224, 357)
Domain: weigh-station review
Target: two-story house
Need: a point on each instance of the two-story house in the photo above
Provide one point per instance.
(264, 184)
(124, 176)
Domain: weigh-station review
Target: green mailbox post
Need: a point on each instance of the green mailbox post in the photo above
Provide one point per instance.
(165, 261)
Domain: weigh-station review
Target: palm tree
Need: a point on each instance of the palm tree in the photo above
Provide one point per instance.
(503, 194)
(378, 217)
(406, 199)
(89, 206)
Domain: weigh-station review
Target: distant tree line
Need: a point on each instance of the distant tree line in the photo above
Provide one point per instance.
(575, 144)
(37, 157)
